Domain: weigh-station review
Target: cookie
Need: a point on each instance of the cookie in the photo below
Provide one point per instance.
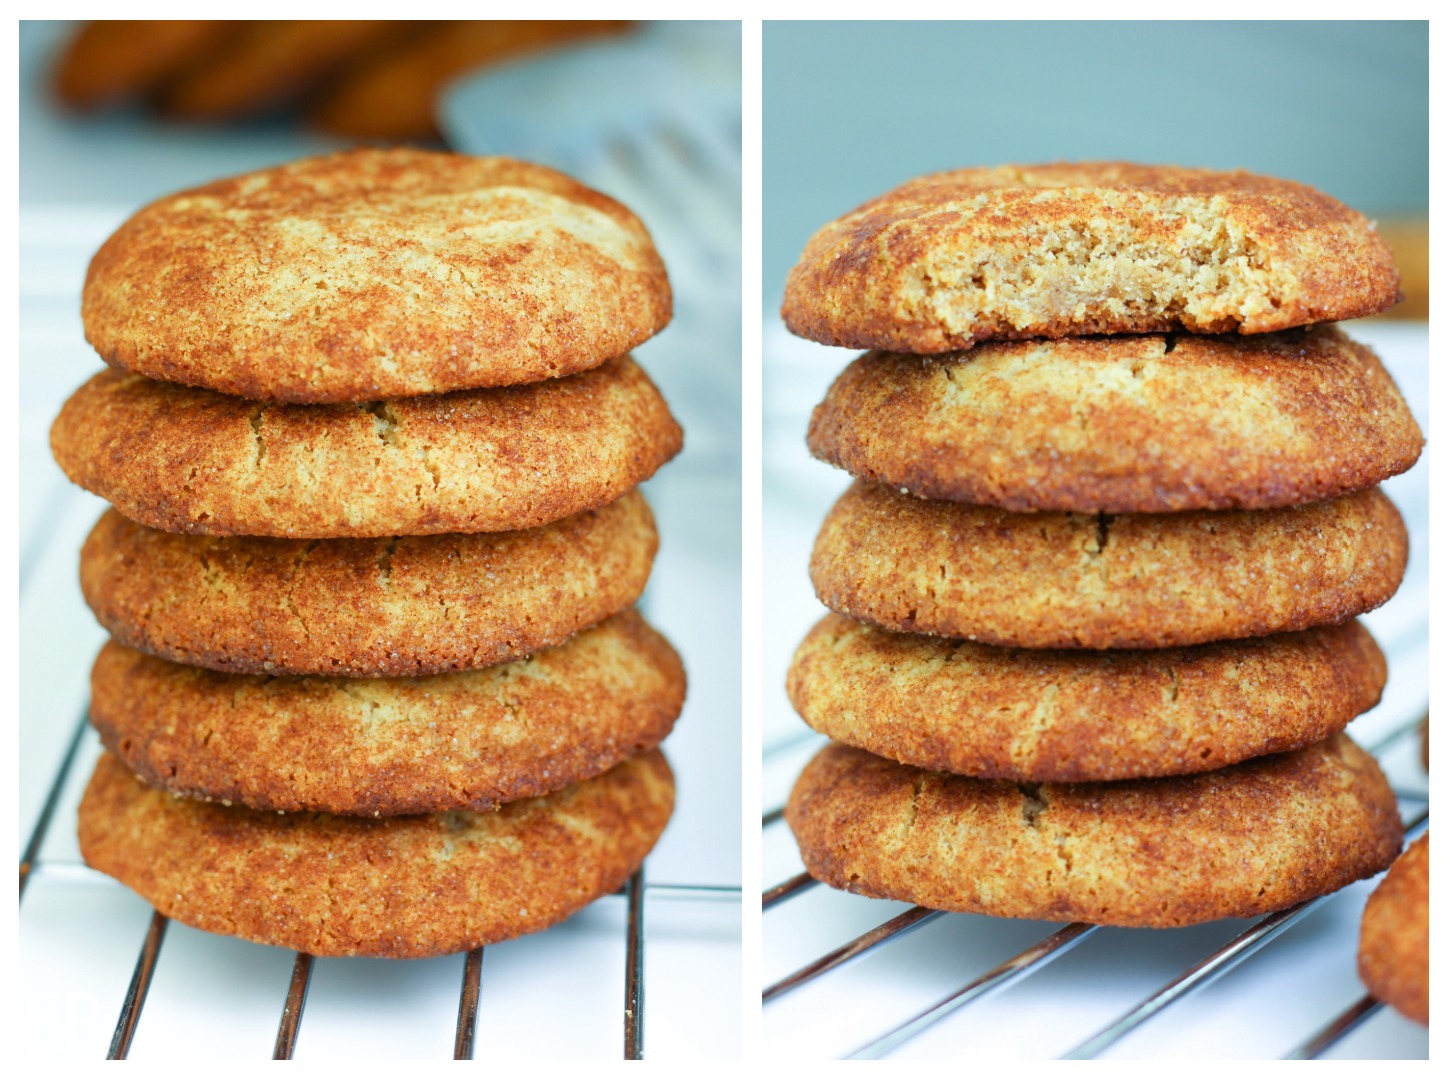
(372, 274)
(1134, 581)
(272, 63)
(1063, 250)
(110, 61)
(1037, 715)
(1393, 950)
(468, 740)
(1143, 424)
(407, 605)
(396, 96)
(1233, 843)
(403, 887)
(188, 460)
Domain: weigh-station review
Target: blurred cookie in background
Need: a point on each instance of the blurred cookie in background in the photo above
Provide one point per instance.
(371, 79)
(113, 61)
(274, 64)
(394, 97)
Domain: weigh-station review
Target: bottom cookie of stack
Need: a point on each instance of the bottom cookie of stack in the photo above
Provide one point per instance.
(399, 887)
(1235, 842)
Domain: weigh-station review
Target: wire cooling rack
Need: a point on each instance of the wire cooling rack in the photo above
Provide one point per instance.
(293, 1004)
(1055, 945)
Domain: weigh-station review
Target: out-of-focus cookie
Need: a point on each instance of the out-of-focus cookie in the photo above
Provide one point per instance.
(1134, 581)
(465, 741)
(1137, 424)
(395, 97)
(422, 885)
(1244, 840)
(1393, 950)
(1063, 250)
(110, 61)
(188, 460)
(372, 274)
(272, 63)
(1036, 714)
(406, 605)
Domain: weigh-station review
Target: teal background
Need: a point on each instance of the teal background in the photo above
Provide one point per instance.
(852, 109)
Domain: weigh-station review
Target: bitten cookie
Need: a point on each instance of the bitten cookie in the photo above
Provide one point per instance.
(423, 885)
(187, 460)
(469, 740)
(1393, 950)
(1141, 424)
(373, 274)
(1063, 250)
(1240, 841)
(1034, 714)
(406, 605)
(1137, 581)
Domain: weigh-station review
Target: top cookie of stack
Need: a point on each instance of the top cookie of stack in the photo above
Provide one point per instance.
(1118, 518)
(947, 260)
(374, 274)
(319, 368)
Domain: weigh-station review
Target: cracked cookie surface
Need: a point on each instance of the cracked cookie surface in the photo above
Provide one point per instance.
(467, 740)
(1393, 951)
(188, 460)
(1064, 250)
(415, 886)
(408, 605)
(1134, 581)
(1038, 714)
(373, 274)
(1143, 424)
(1233, 843)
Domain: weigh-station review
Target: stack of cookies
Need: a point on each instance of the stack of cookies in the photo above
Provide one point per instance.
(375, 684)
(1115, 513)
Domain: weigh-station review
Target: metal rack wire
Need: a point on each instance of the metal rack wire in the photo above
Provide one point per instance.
(295, 1001)
(1059, 943)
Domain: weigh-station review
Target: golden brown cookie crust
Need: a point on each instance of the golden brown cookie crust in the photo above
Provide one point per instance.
(1064, 250)
(1135, 581)
(1070, 716)
(187, 460)
(1251, 838)
(1393, 950)
(371, 274)
(407, 605)
(469, 740)
(424, 885)
(1143, 424)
